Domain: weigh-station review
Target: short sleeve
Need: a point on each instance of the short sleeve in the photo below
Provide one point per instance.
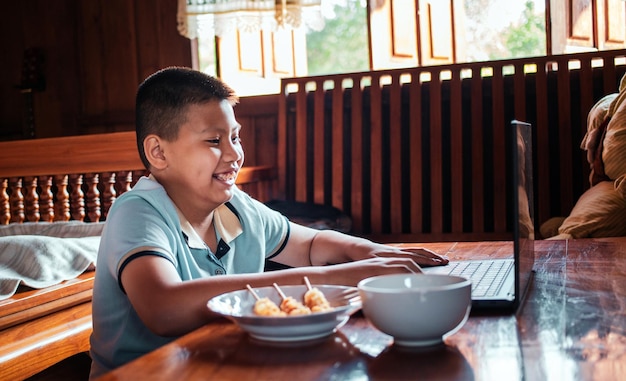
(259, 222)
(135, 225)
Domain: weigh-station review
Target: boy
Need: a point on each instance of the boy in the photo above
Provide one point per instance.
(186, 233)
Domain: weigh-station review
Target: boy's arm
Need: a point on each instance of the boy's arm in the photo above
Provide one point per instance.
(169, 306)
(310, 247)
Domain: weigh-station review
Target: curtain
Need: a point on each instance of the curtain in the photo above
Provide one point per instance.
(219, 17)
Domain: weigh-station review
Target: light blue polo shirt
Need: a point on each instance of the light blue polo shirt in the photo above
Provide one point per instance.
(145, 220)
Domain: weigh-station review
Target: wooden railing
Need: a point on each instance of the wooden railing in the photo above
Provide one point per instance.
(49, 198)
(79, 177)
(420, 154)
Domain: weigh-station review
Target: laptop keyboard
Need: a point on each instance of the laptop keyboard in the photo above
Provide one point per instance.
(487, 277)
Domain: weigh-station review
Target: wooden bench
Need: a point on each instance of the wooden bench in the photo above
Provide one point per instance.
(39, 328)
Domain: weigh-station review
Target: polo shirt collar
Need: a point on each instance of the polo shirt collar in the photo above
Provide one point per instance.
(226, 224)
(225, 220)
(193, 239)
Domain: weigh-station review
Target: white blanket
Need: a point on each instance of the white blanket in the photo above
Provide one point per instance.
(39, 261)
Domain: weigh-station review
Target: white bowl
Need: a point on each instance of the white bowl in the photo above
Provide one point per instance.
(238, 307)
(416, 309)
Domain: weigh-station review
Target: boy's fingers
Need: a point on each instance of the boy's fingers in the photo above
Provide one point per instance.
(427, 257)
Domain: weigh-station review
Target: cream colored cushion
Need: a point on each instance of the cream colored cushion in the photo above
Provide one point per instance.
(40, 261)
(550, 228)
(592, 141)
(614, 151)
(599, 212)
(597, 115)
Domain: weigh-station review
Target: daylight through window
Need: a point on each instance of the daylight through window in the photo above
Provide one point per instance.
(253, 63)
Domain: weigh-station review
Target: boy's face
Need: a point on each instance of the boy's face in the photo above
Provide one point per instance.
(203, 161)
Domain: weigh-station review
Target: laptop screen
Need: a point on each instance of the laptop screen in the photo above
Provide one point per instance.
(524, 212)
(503, 283)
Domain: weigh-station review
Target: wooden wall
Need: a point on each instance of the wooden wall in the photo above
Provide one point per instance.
(96, 52)
(25, 25)
(424, 153)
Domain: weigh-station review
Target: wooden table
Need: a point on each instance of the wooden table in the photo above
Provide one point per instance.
(572, 327)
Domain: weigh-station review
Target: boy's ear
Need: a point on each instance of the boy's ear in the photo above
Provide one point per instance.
(154, 152)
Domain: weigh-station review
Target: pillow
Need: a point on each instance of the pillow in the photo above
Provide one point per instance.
(550, 228)
(620, 185)
(614, 150)
(42, 261)
(596, 117)
(54, 229)
(599, 212)
(597, 121)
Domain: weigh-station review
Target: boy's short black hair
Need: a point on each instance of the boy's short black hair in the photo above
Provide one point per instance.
(163, 98)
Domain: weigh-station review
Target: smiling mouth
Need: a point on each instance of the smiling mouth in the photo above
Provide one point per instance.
(228, 177)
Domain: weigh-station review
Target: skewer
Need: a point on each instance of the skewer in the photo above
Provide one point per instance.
(256, 296)
(264, 306)
(290, 305)
(308, 284)
(315, 299)
(280, 292)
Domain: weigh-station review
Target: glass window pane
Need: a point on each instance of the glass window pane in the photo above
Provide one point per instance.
(207, 56)
(502, 29)
(342, 46)
(486, 30)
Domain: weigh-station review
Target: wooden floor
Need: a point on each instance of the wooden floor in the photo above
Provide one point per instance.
(75, 368)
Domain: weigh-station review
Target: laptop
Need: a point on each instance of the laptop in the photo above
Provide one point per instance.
(501, 284)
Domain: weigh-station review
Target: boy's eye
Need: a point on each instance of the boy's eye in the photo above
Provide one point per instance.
(235, 139)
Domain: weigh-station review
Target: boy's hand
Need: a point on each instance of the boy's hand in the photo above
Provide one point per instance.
(421, 256)
(426, 257)
(385, 262)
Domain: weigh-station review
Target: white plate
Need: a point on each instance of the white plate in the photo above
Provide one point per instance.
(238, 305)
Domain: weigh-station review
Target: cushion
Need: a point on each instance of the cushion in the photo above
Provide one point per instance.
(596, 117)
(597, 121)
(42, 261)
(43, 254)
(550, 228)
(70, 229)
(599, 212)
(614, 150)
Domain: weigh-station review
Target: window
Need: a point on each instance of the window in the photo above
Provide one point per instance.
(254, 64)
(386, 37)
(515, 29)
(342, 46)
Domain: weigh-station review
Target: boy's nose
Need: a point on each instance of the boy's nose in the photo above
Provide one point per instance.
(234, 152)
